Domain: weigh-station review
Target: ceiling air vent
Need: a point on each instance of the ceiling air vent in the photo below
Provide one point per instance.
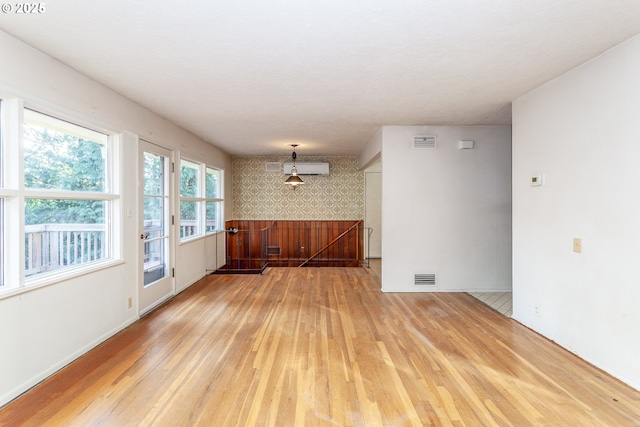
(424, 141)
(273, 167)
(425, 279)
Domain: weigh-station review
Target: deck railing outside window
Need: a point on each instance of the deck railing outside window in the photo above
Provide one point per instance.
(190, 227)
(49, 247)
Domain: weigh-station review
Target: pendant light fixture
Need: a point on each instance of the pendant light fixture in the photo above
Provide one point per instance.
(294, 180)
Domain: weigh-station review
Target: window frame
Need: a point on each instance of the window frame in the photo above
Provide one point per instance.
(2, 157)
(14, 193)
(201, 200)
(219, 201)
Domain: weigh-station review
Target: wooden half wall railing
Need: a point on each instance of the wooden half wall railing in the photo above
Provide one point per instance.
(292, 243)
(332, 242)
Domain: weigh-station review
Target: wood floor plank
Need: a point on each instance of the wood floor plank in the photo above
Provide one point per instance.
(324, 347)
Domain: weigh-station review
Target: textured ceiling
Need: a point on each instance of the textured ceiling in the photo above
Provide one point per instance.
(253, 76)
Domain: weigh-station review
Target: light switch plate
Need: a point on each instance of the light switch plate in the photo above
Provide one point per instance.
(577, 245)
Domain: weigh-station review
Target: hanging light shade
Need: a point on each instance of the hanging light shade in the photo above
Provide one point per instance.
(294, 180)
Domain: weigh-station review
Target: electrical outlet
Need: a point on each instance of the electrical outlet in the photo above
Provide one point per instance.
(577, 245)
(537, 310)
(130, 302)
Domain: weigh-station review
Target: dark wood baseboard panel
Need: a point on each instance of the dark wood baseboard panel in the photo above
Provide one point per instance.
(285, 243)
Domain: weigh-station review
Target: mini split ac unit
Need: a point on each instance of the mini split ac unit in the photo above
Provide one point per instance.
(308, 168)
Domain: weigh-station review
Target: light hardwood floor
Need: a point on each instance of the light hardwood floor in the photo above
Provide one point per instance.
(324, 347)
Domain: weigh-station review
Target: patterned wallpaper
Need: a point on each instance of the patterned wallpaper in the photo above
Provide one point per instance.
(259, 194)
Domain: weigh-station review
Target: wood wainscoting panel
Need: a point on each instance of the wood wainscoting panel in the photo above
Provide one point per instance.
(300, 243)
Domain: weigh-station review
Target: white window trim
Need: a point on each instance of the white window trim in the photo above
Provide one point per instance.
(48, 279)
(202, 199)
(14, 194)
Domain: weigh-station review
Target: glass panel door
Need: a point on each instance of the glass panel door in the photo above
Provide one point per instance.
(155, 229)
(155, 237)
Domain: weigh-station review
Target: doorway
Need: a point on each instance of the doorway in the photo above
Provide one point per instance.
(156, 283)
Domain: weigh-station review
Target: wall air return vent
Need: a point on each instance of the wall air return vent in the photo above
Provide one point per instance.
(424, 141)
(425, 279)
(273, 250)
(273, 167)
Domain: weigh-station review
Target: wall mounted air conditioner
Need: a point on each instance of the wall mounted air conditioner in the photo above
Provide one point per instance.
(308, 168)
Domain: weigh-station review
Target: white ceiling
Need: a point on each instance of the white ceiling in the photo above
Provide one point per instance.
(252, 76)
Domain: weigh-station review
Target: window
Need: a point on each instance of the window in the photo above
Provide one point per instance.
(1, 202)
(214, 200)
(61, 208)
(1, 244)
(70, 162)
(189, 200)
(200, 199)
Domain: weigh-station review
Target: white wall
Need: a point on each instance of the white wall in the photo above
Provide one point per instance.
(446, 211)
(373, 209)
(582, 131)
(46, 328)
(371, 152)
